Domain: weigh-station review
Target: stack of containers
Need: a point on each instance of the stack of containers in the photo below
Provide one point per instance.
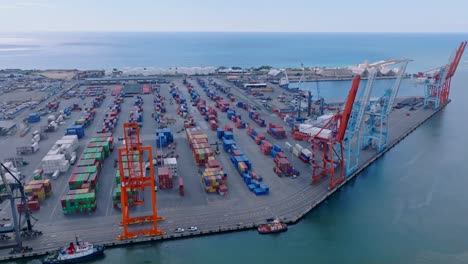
(39, 189)
(276, 131)
(54, 162)
(83, 182)
(67, 145)
(164, 178)
(33, 205)
(116, 91)
(111, 117)
(182, 111)
(251, 179)
(259, 138)
(77, 130)
(257, 119)
(266, 147)
(282, 165)
(79, 203)
(117, 197)
(223, 105)
(34, 118)
(213, 179)
(219, 133)
(164, 137)
(86, 118)
(171, 164)
(198, 142)
(275, 150)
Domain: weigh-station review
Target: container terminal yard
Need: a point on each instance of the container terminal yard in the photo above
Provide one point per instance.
(225, 157)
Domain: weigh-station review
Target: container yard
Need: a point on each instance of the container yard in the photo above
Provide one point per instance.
(217, 156)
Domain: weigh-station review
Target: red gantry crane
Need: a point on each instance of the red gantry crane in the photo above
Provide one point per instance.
(136, 182)
(438, 89)
(327, 143)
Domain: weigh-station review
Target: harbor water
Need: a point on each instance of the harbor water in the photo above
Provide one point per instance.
(408, 207)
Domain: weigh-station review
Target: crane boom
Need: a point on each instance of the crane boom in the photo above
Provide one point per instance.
(396, 85)
(365, 100)
(348, 107)
(457, 58)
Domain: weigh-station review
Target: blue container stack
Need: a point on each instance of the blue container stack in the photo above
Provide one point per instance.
(231, 113)
(34, 117)
(77, 130)
(67, 111)
(219, 132)
(275, 150)
(164, 137)
(228, 135)
(240, 104)
(228, 144)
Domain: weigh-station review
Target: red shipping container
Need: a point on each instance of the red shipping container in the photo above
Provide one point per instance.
(213, 164)
(280, 155)
(227, 128)
(181, 187)
(213, 125)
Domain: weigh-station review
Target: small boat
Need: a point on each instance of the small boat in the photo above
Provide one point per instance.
(75, 253)
(276, 226)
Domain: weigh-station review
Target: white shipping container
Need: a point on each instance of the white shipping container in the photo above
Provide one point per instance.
(299, 147)
(36, 132)
(37, 138)
(324, 118)
(64, 166)
(74, 137)
(322, 133)
(171, 164)
(307, 152)
(296, 152)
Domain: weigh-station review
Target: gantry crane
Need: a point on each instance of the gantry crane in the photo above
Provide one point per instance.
(437, 87)
(353, 132)
(136, 181)
(20, 232)
(376, 133)
(327, 143)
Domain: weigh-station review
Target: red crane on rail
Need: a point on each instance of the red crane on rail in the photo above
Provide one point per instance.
(327, 143)
(438, 89)
(451, 71)
(133, 179)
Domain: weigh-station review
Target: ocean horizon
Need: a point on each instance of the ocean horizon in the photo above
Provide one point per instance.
(108, 50)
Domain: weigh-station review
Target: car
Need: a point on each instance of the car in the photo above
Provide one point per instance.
(179, 230)
(192, 228)
(155, 188)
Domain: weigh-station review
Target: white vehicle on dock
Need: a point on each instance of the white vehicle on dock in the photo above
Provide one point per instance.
(179, 230)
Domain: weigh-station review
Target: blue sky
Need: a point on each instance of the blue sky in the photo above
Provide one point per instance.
(234, 15)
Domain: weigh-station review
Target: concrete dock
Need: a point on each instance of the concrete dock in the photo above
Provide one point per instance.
(290, 199)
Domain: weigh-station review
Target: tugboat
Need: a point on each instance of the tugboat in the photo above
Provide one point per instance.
(75, 253)
(275, 226)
